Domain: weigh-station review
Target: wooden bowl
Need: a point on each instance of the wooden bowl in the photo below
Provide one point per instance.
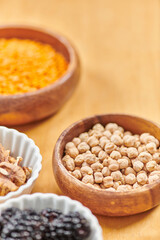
(33, 106)
(100, 201)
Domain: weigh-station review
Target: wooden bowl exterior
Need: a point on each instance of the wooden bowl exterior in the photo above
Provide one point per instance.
(100, 201)
(33, 106)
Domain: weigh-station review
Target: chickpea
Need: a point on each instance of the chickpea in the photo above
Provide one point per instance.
(98, 177)
(129, 141)
(95, 150)
(136, 185)
(83, 147)
(115, 155)
(109, 147)
(142, 148)
(105, 163)
(69, 145)
(88, 152)
(123, 150)
(111, 127)
(137, 137)
(145, 157)
(102, 142)
(79, 160)
(102, 155)
(76, 141)
(84, 137)
(77, 174)
(130, 179)
(129, 170)
(68, 162)
(156, 157)
(98, 127)
(88, 179)
(132, 152)
(119, 133)
(72, 152)
(114, 165)
(142, 178)
(111, 160)
(138, 166)
(106, 172)
(108, 182)
(107, 134)
(95, 133)
(127, 133)
(123, 163)
(151, 166)
(137, 144)
(86, 170)
(121, 129)
(92, 141)
(116, 184)
(97, 167)
(117, 175)
(150, 139)
(155, 173)
(111, 189)
(65, 158)
(117, 140)
(143, 137)
(151, 147)
(153, 178)
(90, 158)
(96, 186)
(84, 164)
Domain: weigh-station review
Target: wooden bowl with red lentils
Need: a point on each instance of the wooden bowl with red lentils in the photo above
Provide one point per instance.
(110, 163)
(39, 71)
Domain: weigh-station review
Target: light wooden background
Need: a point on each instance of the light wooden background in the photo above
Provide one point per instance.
(119, 45)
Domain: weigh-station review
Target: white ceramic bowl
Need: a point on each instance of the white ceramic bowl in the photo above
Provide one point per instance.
(21, 145)
(39, 201)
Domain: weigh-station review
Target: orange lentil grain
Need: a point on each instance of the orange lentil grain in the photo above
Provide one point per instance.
(27, 66)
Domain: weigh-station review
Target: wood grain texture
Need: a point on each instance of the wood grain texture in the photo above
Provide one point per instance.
(33, 106)
(111, 203)
(119, 46)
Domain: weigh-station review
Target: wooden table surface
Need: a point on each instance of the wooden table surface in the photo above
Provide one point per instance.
(119, 46)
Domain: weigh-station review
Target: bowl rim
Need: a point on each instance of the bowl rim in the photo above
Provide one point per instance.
(44, 196)
(60, 81)
(56, 157)
(31, 180)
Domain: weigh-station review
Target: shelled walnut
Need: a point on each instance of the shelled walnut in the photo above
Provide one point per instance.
(12, 175)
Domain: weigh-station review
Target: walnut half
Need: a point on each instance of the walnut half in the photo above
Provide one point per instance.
(14, 173)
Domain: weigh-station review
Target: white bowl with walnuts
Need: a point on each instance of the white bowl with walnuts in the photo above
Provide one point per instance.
(115, 158)
(20, 163)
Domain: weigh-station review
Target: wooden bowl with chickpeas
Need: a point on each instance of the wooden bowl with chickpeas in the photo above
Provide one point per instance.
(110, 163)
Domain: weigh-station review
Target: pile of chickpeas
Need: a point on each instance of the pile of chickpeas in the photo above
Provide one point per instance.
(113, 159)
